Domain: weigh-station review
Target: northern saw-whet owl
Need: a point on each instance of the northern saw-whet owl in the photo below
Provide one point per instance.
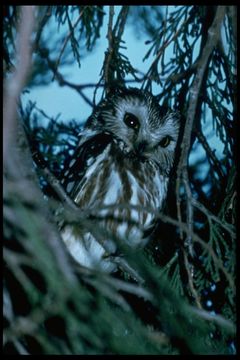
(124, 157)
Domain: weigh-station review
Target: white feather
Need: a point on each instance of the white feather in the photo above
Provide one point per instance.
(87, 251)
(114, 189)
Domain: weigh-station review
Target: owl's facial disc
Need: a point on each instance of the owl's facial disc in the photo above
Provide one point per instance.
(141, 128)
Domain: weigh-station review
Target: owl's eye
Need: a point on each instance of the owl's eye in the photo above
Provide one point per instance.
(165, 141)
(131, 121)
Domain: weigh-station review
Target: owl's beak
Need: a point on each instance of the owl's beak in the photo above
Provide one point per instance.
(141, 149)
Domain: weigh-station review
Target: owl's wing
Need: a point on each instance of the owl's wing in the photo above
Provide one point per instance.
(86, 152)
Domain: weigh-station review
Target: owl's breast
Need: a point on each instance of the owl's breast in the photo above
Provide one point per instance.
(124, 194)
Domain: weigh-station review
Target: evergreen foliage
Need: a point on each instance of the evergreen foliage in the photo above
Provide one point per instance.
(182, 299)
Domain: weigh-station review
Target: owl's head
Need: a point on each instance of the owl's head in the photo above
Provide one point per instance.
(146, 130)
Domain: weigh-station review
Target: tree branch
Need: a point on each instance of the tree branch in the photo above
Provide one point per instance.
(194, 93)
(16, 163)
(14, 86)
(107, 71)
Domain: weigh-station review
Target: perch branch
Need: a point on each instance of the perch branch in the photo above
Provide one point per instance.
(55, 184)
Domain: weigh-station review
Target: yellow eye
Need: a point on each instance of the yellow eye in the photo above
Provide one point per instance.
(131, 121)
(165, 141)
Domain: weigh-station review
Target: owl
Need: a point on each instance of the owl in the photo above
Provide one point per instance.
(120, 173)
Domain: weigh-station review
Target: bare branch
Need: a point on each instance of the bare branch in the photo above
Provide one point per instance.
(108, 75)
(120, 23)
(114, 36)
(194, 92)
(55, 183)
(213, 37)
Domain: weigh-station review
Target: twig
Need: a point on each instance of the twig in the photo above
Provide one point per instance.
(130, 288)
(122, 263)
(210, 153)
(68, 37)
(78, 88)
(107, 71)
(21, 349)
(232, 13)
(62, 82)
(109, 293)
(216, 318)
(121, 20)
(114, 36)
(163, 47)
(175, 78)
(178, 204)
(110, 286)
(226, 226)
(42, 23)
(188, 244)
(190, 273)
(55, 184)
